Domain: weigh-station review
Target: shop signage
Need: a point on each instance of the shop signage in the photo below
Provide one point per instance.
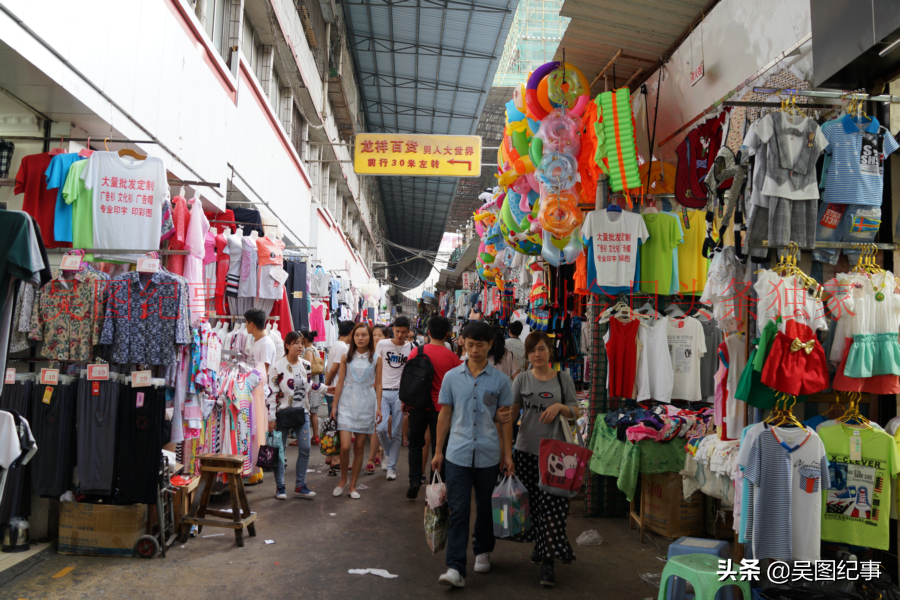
(49, 376)
(697, 73)
(140, 378)
(213, 353)
(10, 376)
(417, 155)
(98, 372)
(148, 265)
(467, 280)
(70, 263)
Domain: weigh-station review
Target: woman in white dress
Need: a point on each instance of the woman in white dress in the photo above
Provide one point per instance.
(357, 402)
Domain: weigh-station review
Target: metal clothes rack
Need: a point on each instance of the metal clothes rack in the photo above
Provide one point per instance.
(114, 251)
(236, 317)
(65, 138)
(849, 245)
(243, 223)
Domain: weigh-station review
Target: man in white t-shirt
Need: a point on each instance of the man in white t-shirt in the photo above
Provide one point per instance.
(394, 354)
(263, 348)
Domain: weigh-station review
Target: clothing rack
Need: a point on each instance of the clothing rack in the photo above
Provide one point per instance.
(849, 245)
(114, 251)
(234, 318)
(243, 223)
(64, 138)
(775, 105)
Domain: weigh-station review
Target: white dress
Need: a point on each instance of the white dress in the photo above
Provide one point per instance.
(356, 406)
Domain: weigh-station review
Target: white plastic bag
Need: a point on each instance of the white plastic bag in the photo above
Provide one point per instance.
(436, 493)
(510, 509)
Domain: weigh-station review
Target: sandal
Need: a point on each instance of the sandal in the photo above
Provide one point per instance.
(370, 469)
(377, 460)
(334, 471)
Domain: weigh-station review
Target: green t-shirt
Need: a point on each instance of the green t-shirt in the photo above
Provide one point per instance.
(81, 200)
(656, 253)
(857, 508)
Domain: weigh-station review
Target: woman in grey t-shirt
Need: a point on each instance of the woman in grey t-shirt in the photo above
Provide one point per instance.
(543, 394)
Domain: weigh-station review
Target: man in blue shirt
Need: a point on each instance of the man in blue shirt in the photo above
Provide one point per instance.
(474, 396)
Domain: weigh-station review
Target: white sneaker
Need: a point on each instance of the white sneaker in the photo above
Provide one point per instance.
(383, 466)
(452, 578)
(392, 475)
(483, 563)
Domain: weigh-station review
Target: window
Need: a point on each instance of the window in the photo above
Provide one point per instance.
(275, 93)
(215, 24)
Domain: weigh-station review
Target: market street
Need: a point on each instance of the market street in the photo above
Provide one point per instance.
(313, 552)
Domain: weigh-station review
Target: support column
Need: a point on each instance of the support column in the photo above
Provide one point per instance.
(234, 30)
(287, 110)
(265, 70)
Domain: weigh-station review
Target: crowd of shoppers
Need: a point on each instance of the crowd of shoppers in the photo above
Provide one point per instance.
(491, 405)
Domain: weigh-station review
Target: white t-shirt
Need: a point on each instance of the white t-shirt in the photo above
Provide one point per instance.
(336, 352)
(263, 350)
(128, 197)
(393, 359)
(654, 369)
(687, 345)
(614, 238)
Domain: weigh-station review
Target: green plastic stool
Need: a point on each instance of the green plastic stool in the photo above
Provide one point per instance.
(700, 570)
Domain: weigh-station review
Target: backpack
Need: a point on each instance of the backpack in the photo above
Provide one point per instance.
(416, 380)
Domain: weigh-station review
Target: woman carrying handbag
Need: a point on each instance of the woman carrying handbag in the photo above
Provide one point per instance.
(288, 411)
(543, 394)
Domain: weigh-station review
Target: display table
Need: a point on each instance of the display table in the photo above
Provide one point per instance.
(625, 460)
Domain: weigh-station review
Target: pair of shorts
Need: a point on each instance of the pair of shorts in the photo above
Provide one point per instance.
(796, 372)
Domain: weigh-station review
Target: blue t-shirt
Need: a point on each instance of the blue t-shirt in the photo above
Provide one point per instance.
(856, 172)
(56, 178)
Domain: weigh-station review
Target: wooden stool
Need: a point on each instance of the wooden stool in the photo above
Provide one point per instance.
(239, 517)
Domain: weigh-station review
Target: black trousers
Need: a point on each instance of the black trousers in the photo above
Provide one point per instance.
(140, 417)
(53, 426)
(419, 421)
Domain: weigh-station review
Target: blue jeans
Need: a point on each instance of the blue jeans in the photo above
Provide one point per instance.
(391, 441)
(302, 456)
(460, 481)
(329, 400)
(853, 223)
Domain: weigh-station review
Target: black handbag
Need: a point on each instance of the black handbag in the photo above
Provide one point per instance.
(290, 418)
(267, 458)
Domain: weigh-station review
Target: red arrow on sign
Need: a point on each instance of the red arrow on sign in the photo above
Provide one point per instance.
(461, 162)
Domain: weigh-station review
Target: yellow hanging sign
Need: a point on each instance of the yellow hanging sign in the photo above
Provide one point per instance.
(417, 155)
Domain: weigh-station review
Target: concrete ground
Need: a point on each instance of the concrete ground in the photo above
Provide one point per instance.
(317, 541)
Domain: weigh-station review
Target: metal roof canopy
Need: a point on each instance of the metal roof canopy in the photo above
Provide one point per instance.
(647, 32)
(425, 66)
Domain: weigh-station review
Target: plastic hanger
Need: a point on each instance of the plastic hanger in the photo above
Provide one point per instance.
(86, 153)
(613, 206)
(675, 312)
(132, 154)
(60, 150)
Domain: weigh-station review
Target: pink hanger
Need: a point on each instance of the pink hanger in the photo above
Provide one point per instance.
(56, 151)
(86, 153)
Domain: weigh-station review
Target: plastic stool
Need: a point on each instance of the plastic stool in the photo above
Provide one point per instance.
(700, 570)
(690, 545)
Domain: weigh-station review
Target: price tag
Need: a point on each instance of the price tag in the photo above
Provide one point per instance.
(48, 394)
(298, 295)
(140, 378)
(10, 376)
(148, 265)
(279, 275)
(95, 388)
(213, 353)
(98, 372)
(71, 263)
(140, 400)
(49, 376)
(856, 447)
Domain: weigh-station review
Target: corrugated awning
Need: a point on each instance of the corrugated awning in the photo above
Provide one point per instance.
(646, 31)
(425, 66)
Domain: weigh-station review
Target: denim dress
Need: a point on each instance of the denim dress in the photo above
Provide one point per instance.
(356, 406)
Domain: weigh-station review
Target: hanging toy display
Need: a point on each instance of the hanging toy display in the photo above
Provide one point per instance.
(616, 146)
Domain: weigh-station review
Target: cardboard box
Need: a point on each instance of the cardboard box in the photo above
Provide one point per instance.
(664, 510)
(100, 529)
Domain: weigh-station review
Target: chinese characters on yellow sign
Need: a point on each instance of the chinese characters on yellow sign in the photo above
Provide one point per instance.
(418, 155)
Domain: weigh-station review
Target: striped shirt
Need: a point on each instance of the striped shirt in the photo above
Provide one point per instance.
(790, 470)
(856, 172)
